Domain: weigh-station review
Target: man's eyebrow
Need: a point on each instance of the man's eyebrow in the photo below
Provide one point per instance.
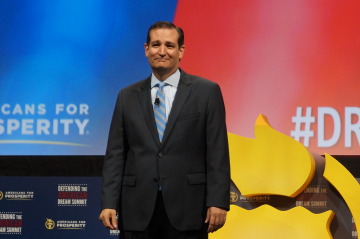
(166, 42)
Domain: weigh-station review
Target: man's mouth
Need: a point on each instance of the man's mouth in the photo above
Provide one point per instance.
(161, 59)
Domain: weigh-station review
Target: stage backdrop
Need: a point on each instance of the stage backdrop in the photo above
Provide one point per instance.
(63, 62)
(51, 207)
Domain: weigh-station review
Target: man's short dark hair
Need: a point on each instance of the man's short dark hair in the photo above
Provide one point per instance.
(166, 25)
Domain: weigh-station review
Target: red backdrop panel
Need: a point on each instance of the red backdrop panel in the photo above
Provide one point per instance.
(272, 57)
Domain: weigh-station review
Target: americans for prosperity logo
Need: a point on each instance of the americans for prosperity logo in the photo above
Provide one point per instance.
(34, 123)
(17, 195)
(65, 224)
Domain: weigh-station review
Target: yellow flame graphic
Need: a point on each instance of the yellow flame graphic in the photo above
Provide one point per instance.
(272, 163)
(271, 223)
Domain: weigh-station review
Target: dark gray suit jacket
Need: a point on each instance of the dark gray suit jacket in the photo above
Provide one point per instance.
(191, 163)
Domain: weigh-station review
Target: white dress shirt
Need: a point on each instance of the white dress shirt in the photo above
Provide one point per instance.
(169, 90)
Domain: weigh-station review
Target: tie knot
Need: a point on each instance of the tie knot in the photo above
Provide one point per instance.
(161, 85)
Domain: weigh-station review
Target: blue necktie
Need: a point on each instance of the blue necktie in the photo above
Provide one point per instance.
(160, 110)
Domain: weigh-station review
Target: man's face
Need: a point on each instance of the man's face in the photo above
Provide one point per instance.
(163, 50)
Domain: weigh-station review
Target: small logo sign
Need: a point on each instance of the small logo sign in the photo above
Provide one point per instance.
(49, 224)
(233, 197)
(11, 223)
(72, 195)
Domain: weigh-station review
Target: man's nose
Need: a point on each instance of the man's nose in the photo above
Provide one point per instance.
(162, 50)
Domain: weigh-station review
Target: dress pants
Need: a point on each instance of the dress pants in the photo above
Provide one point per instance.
(161, 228)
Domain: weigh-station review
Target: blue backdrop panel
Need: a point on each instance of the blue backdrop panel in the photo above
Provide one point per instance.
(51, 207)
(62, 64)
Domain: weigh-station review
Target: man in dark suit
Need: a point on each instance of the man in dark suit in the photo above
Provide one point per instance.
(166, 171)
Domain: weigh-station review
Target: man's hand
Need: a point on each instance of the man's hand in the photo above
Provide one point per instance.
(108, 217)
(216, 218)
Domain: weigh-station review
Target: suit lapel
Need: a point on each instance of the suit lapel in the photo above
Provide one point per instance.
(182, 94)
(147, 107)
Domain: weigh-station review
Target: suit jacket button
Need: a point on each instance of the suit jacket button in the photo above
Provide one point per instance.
(155, 180)
(160, 155)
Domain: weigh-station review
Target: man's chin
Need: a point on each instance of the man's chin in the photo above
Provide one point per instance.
(160, 68)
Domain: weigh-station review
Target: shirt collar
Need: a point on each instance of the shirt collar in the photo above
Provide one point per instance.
(172, 80)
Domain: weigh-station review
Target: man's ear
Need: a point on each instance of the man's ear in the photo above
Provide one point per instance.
(146, 48)
(182, 50)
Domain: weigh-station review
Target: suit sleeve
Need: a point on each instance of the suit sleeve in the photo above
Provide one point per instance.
(218, 163)
(114, 159)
